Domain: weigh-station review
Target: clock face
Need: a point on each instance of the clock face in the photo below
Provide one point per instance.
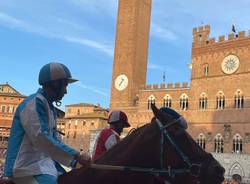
(121, 82)
(230, 64)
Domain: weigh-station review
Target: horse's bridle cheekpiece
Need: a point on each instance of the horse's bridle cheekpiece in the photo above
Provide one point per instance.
(193, 169)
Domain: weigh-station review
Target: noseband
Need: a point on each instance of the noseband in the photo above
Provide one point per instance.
(193, 168)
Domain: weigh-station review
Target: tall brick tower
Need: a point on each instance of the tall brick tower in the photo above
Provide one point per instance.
(131, 52)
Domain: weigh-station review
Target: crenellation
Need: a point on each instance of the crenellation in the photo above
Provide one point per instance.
(207, 27)
(222, 38)
(231, 36)
(241, 34)
(170, 85)
(201, 37)
(155, 86)
(194, 30)
(211, 40)
(201, 28)
(149, 86)
(177, 85)
(184, 85)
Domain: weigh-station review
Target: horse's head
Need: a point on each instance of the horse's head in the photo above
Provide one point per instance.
(182, 154)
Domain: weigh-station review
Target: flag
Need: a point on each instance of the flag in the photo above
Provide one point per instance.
(233, 28)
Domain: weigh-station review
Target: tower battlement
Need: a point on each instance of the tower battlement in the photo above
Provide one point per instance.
(201, 37)
(176, 85)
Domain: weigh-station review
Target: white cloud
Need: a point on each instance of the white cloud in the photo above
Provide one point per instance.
(99, 91)
(162, 33)
(15, 23)
(162, 68)
(155, 67)
(97, 6)
(97, 45)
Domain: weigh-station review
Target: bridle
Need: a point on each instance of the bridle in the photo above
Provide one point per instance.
(165, 171)
(193, 168)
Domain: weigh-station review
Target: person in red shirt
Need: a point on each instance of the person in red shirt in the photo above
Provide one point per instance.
(110, 136)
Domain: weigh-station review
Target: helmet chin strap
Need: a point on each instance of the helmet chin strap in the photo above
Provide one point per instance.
(58, 91)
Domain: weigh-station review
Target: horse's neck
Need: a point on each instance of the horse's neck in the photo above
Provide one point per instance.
(130, 150)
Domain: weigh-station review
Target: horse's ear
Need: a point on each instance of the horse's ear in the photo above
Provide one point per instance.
(155, 109)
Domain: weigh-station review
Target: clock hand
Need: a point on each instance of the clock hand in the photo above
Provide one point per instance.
(121, 82)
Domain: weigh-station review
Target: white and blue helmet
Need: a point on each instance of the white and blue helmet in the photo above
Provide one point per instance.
(54, 71)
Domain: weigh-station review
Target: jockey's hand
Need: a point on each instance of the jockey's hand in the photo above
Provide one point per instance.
(83, 159)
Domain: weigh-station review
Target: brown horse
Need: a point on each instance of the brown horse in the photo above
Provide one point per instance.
(177, 160)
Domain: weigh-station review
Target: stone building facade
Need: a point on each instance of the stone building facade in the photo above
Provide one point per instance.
(216, 102)
(9, 100)
(80, 119)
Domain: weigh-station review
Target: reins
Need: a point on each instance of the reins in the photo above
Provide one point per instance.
(193, 169)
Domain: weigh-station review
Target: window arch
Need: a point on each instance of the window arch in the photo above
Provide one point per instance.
(205, 70)
(238, 99)
(151, 100)
(3, 108)
(218, 144)
(237, 144)
(167, 101)
(76, 123)
(69, 124)
(201, 140)
(220, 100)
(184, 102)
(84, 122)
(203, 101)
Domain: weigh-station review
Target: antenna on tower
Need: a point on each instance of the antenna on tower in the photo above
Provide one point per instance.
(164, 77)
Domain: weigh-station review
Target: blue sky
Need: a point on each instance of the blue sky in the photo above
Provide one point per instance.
(81, 33)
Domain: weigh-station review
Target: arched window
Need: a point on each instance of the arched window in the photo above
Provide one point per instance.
(237, 144)
(76, 123)
(220, 100)
(218, 144)
(167, 100)
(69, 125)
(205, 70)
(84, 122)
(203, 101)
(201, 140)
(184, 102)
(238, 99)
(3, 108)
(151, 100)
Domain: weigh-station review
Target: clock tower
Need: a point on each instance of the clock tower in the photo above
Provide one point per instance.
(131, 52)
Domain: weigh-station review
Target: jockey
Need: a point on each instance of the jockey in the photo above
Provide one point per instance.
(34, 147)
(110, 136)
